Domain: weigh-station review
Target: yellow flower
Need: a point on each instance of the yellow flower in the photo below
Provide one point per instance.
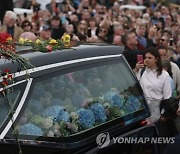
(28, 41)
(53, 41)
(66, 39)
(21, 40)
(38, 41)
(66, 44)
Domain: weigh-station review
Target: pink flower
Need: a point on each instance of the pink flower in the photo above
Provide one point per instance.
(49, 47)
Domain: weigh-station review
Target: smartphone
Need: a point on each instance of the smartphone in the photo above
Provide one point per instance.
(140, 58)
(171, 42)
(154, 21)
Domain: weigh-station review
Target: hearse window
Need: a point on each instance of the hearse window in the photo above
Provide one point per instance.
(7, 105)
(75, 102)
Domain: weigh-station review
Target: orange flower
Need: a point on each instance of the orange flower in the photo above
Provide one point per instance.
(9, 39)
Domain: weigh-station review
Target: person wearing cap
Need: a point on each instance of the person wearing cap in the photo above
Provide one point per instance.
(45, 33)
(10, 26)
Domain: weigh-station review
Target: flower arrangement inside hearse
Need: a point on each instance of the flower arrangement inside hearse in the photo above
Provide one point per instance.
(65, 120)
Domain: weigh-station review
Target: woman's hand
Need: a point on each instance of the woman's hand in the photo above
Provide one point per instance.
(139, 65)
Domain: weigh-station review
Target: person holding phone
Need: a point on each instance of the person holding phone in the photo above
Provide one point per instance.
(130, 42)
(155, 82)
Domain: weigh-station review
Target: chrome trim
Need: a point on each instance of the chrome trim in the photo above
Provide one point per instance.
(36, 69)
(14, 84)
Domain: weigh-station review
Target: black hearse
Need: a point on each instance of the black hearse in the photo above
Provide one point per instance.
(74, 100)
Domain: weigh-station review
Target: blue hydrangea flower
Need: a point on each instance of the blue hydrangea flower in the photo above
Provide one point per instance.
(52, 111)
(78, 86)
(114, 98)
(30, 129)
(83, 91)
(35, 106)
(77, 99)
(63, 116)
(132, 104)
(128, 108)
(56, 101)
(99, 112)
(135, 102)
(39, 90)
(86, 118)
(60, 84)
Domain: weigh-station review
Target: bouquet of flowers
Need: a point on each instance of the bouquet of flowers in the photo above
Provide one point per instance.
(8, 51)
(47, 46)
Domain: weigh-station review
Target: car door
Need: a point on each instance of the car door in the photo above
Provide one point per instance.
(70, 103)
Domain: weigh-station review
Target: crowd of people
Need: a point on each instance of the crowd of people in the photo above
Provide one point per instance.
(106, 21)
(152, 31)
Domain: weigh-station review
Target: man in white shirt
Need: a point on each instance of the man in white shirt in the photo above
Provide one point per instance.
(175, 69)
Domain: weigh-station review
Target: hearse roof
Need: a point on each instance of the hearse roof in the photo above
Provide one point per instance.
(38, 58)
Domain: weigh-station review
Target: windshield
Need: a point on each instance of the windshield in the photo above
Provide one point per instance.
(68, 104)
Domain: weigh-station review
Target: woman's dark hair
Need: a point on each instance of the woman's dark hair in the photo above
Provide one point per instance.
(154, 51)
(26, 22)
(167, 65)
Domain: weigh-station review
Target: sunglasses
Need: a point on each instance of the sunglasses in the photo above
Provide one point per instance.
(102, 30)
(163, 40)
(26, 25)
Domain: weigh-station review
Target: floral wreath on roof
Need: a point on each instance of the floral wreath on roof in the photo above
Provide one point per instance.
(47, 46)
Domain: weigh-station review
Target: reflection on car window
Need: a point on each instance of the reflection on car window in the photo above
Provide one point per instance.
(4, 109)
(72, 103)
